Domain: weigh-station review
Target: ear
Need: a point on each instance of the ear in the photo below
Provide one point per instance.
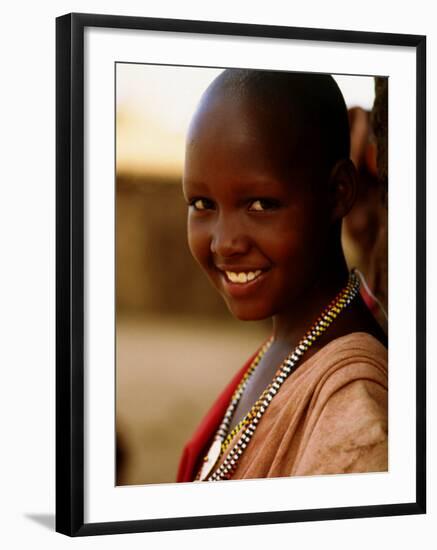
(343, 188)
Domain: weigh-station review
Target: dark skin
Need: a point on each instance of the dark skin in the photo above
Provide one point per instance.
(260, 206)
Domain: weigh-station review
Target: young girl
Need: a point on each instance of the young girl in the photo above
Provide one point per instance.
(267, 181)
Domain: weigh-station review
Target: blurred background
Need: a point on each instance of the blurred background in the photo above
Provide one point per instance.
(177, 345)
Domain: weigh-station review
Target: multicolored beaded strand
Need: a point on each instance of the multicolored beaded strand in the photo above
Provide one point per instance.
(223, 435)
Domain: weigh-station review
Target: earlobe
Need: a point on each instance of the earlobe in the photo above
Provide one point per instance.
(343, 188)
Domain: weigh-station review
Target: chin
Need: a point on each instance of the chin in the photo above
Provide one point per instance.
(248, 313)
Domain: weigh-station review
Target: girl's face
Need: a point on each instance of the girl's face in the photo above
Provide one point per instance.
(255, 224)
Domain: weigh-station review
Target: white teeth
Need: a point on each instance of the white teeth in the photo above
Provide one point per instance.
(242, 277)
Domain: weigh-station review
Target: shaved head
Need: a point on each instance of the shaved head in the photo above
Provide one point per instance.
(305, 110)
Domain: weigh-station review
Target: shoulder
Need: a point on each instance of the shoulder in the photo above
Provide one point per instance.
(346, 428)
(355, 346)
(357, 356)
(352, 382)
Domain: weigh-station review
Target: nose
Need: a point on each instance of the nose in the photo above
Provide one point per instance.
(229, 237)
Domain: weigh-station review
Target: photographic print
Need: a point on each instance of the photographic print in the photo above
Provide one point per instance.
(270, 265)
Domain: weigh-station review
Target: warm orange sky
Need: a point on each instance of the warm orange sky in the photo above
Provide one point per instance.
(155, 105)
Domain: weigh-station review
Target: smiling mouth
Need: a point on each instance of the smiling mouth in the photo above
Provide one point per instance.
(242, 277)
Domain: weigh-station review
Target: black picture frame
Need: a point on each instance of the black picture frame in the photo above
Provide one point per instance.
(70, 489)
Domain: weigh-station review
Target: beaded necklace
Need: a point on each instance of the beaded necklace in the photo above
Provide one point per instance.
(250, 422)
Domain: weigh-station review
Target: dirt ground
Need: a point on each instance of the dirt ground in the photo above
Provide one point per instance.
(169, 371)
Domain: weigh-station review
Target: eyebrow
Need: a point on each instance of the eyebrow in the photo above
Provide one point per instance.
(194, 183)
(245, 183)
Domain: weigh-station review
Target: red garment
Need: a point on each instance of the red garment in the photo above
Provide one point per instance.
(197, 446)
(370, 301)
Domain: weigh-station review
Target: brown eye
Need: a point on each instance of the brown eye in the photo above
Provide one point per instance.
(198, 205)
(260, 205)
(257, 206)
(202, 204)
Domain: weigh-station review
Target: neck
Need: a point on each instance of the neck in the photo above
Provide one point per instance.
(290, 325)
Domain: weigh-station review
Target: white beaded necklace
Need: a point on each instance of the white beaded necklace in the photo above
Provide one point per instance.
(251, 420)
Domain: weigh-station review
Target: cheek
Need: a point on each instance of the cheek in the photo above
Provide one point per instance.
(284, 242)
(294, 245)
(198, 242)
